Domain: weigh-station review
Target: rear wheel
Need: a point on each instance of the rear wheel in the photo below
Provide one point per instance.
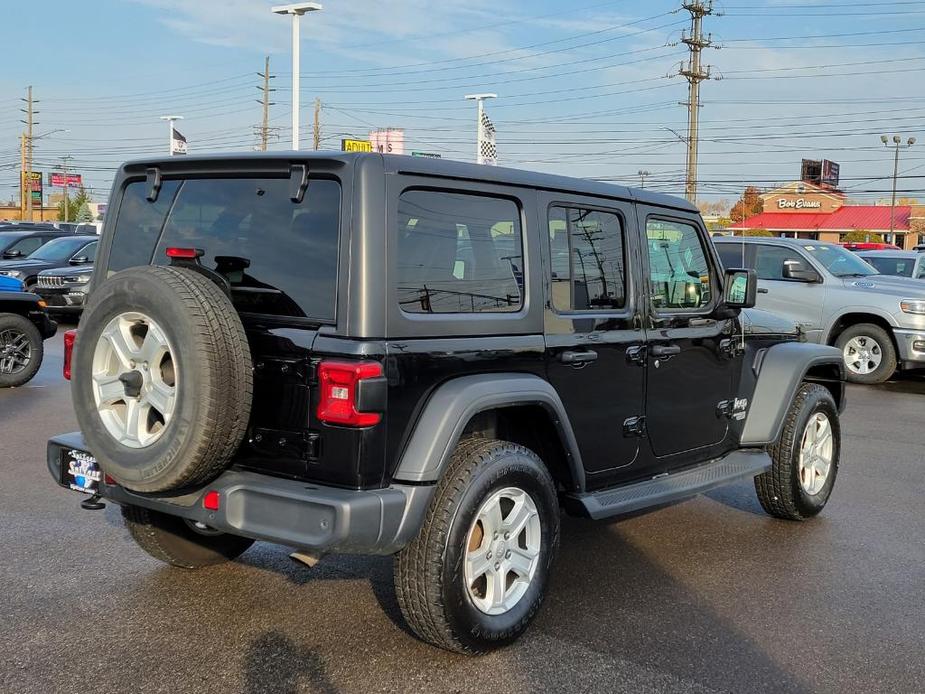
(21, 350)
(180, 542)
(474, 577)
(868, 353)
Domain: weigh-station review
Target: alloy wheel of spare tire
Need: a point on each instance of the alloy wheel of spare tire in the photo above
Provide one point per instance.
(162, 378)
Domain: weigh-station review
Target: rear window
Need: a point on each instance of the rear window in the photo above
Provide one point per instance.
(280, 257)
(459, 253)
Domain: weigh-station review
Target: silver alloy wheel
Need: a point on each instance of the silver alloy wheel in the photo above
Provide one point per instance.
(15, 351)
(502, 550)
(816, 450)
(862, 355)
(134, 380)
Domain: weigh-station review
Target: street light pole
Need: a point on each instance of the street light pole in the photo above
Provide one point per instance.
(642, 178)
(479, 98)
(170, 120)
(897, 143)
(296, 10)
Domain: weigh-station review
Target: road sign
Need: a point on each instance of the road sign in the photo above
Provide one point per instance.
(431, 155)
(356, 145)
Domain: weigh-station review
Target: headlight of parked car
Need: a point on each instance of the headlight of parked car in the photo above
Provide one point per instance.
(15, 274)
(77, 279)
(916, 306)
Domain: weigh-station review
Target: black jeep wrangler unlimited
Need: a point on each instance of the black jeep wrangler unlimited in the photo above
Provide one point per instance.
(24, 325)
(390, 355)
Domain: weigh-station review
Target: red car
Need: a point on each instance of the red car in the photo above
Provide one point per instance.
(870, 246)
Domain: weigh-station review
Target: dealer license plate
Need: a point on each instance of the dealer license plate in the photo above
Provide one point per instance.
(80, 471)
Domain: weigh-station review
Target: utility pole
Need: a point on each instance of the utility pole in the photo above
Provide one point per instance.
(897, 143)
(316, 127)
(66, 199)
(26, 184)
(695, 72)
(265, 127)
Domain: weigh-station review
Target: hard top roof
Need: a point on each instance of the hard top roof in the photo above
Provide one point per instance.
(430, 166)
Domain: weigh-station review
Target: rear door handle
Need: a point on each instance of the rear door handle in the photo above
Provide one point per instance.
(664, 350)
(578, 357)
(762, 290)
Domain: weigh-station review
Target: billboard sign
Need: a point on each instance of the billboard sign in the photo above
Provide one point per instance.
(388, 140)
(830, 173)
(56, 179)
(347, 145)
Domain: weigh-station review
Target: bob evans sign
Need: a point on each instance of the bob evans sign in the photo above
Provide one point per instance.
(798, 204)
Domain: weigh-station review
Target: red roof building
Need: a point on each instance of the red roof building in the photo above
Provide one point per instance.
(808, 211)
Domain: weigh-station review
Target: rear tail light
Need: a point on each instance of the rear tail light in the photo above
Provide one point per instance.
(70, 336)
(346, 394)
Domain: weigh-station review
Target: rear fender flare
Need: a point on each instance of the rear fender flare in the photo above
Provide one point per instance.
(453, 405)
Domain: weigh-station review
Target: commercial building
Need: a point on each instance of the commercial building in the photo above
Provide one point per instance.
(806, 210)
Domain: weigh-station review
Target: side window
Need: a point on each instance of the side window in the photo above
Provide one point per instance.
(680, 276)
(770, 261)
(459, 253)
(587, 260)
(28, 246)
(736, 255)
(920, 273)
(88, 251)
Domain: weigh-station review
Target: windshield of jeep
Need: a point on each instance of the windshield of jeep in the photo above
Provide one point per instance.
(279, 257)
(840, 262)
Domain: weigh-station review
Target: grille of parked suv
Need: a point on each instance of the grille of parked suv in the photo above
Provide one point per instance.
(50, 282)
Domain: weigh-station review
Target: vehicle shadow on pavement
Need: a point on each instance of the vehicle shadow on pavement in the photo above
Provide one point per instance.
(274, 664)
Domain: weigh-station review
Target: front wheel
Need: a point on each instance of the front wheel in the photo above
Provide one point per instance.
(180, 542)
(476, 574)
(21, 350)
(868, 352)
(805, 457)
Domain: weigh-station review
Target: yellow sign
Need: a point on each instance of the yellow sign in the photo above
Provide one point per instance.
(356, 146)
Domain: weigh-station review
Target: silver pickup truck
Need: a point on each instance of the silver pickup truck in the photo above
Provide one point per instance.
(878, 321)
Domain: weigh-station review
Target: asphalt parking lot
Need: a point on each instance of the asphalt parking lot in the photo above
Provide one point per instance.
(705, 596)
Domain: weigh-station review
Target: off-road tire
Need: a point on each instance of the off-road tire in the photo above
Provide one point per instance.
(429, 579)
(887, 364)
(12, 321)
(214, 386)
(171, 540)
(779, 490)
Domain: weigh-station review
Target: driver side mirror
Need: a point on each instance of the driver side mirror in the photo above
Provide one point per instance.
(12, 254)
(795, 270)
(740, 289)
(80, 260)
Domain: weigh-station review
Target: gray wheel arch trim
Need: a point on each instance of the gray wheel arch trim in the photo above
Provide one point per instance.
(782, 370)
(454, 403)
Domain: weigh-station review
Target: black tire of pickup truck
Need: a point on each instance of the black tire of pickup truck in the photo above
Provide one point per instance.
(429, 577)
(887, 366)
(779, 490)
(19, 324)
(171, 540)
(214, 379)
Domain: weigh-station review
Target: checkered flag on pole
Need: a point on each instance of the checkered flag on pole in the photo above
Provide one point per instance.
(488, 152)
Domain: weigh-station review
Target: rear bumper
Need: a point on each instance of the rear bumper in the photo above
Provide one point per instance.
(288, 512)
(911, 347)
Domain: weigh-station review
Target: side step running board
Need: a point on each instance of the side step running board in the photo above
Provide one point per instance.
(670, 488)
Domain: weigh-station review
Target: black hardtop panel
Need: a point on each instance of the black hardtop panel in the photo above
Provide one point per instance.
(278, 162)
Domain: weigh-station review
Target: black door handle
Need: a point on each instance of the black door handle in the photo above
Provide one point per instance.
(664, 350)
(762, 290)
(578, 357)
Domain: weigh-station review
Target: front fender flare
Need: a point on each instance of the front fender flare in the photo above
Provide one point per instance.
(450, 408)
(782, 369)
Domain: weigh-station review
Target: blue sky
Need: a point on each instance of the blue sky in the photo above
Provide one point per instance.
(584, 87)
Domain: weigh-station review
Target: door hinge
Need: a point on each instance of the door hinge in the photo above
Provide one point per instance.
(634, 427)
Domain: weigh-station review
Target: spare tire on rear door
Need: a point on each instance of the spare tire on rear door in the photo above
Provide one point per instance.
(162, 378)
